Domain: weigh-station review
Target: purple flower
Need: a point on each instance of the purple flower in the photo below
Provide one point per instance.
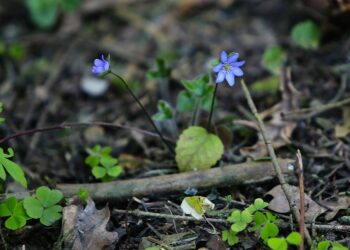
(228, 68)
(100, 66)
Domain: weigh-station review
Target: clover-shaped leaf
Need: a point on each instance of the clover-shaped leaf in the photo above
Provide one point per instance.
(269, 230)
(114, 171)
(259, 204)
(14, 210)
(197, 149)
(240, 220)
(278, 243)
(230, 237)
(99, 172)
(44, 205)
(294, 238)
(259, 219)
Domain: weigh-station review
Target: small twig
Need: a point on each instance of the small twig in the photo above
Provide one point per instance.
(302, 198)
(160, 243)
(72, 125)
(272, 154)
(310, 112)
(140, 213)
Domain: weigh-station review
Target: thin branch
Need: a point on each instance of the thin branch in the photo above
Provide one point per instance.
(272, 154)
(73, 125)
(302, 199)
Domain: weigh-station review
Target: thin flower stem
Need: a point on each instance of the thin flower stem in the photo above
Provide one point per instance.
(145, 112)
(212, 107)
(195, 112)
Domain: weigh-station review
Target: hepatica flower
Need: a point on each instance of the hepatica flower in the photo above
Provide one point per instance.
(100, 66)
(228, 68)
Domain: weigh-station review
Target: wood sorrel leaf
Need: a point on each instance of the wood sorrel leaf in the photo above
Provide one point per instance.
(197, 149)
(307, 35)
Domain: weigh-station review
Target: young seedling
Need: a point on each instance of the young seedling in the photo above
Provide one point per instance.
(44, 205)
(103, 165)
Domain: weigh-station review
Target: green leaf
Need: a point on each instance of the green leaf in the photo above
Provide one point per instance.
(92, 160)
(108, 161)
(269, 230)
(48, 197)
(83, 194)
(259, 204)
(199, 87)
(2, 172)
(43, 12)
(338, 246)
(185, 101)
(33, 207)
(323, 245)
(8, 206)
(99, 172)
(15, 222)
(14, 170)
(294, 238)
(278, 243)
(16, 51)
(238, 226)
(307, 35)
(161, 72)
(197, 149)
(114, 171)
(50, 215)
(230, 237)
(270, 84)
(259, 219)
(273, 59)
(270, 217)
(69, 5)
(165, 111)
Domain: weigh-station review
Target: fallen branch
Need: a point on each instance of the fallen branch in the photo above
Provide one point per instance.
(243, 173)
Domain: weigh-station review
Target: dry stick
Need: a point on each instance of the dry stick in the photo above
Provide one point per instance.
(139, 213)
(76, 125)
(236, 174)
(272, 154)
(302, 198)
(310, 112)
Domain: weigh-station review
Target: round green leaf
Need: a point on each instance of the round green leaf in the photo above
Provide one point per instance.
(323, 245)
(307, 35)
(273, 59)
(15, 222)
(260, 204)
(197, 149)
(48, 197)
(33, 207)
(278, 244)
(50, 215)
(43, 12)
(114, 171)
(269, 230)
(238, 226)
(294, 238)
(99, 172)
(246, 216)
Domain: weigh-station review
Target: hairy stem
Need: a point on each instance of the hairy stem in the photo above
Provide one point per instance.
(212, 107)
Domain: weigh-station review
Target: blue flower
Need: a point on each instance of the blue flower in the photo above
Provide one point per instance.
(100, 66)
(228, 68)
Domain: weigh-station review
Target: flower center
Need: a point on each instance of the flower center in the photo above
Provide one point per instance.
(227, 66)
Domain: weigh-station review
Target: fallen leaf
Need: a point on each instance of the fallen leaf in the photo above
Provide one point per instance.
(280, 204)
(196, 206)
(341, 203)
(85, 228)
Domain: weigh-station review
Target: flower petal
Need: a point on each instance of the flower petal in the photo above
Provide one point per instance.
(238, 64)
(221, 76)
(98, 62)
(233, 58)
(237, 71)
(223, 56)
(218, 67)
(230, 78)
(106, 66)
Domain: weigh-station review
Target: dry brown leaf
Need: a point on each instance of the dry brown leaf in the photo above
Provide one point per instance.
(335, 206)
(280, 204)
(85, 228)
